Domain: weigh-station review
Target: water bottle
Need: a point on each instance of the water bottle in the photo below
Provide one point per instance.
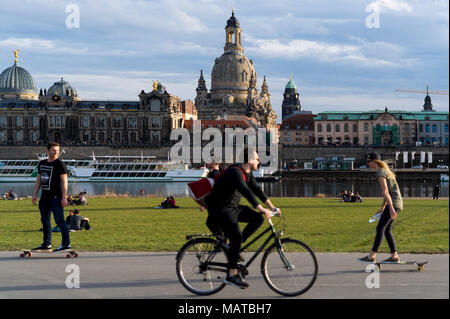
(374, 217)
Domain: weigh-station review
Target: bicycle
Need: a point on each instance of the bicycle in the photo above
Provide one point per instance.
(289, 266)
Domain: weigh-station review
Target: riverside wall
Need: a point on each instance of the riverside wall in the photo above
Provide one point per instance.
(286, 154)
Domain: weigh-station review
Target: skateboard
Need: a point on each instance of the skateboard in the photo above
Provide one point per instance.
(420, 265)
(29, 253)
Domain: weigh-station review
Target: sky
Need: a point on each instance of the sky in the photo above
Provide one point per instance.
(343, 55)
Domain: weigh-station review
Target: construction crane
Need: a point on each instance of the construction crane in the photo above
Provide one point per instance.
(427, 91)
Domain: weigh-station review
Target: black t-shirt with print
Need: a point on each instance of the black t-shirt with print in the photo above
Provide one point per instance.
(51, 177)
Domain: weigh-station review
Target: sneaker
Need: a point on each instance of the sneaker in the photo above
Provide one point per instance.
(43, 247)
(237, 281)
(392, 260)
(366, 259)
(62, 248)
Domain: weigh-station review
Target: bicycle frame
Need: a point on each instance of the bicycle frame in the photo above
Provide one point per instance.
(261, 248)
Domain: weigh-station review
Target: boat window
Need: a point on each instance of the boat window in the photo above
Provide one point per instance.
(126, 174)
(140, 175)
(19, 163)
(96, 174)
(122, 167)
(110, 175)
(147, 174)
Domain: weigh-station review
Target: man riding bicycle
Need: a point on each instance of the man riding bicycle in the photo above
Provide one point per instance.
(225, 212)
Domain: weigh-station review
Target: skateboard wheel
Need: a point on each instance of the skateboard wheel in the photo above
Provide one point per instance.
(75, 255)
(68, 256)
(22, 255)
(29, 254)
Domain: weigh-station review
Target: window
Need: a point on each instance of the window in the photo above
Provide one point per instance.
(101, 138)
(366, 127)
(366, 139)
(346, 127)
(434, 128)
(427, 128)
(338, 127)
(328, 127)
(101, 122)
(155, 137)
(19, 136)
(355, 128)
(445, 128)
(156, 122)
(35, 121)
(132, 122)
(2, 136)
(155, 105)
(34, 136)
(319, 127)
(85, 137)
(117, 122)
(420, 127)
(133, 138)
(3, 121)
(84, 122)
(57, 121)
(19, 121)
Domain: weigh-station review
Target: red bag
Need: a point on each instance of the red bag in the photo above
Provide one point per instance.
(201, 188)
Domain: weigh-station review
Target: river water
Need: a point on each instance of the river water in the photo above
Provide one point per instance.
(289, 188)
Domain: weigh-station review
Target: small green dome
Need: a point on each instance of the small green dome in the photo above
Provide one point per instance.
(290, 85)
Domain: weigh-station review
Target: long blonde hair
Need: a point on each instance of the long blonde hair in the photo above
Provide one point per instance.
(384, 165)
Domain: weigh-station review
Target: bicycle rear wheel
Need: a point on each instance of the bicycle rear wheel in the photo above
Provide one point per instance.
(292, 271)
(202, 266)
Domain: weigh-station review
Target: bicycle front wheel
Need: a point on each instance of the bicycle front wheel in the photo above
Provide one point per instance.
(291, 270)
(202, 266)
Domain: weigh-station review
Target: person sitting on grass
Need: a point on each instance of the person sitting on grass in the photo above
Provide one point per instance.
(172, 202)
(78, 222)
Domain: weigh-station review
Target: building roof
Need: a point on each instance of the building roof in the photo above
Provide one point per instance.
(290, 84)
(16, 79)
(299, 121)
(373, 115)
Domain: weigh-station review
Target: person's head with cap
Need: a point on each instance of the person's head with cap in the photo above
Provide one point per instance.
(374, 161)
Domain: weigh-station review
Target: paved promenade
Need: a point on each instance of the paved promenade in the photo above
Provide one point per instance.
(152, 275)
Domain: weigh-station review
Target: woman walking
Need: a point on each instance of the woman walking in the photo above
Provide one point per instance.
(392, 205)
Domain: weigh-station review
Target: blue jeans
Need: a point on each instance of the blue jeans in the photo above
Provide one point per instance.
(46, 206)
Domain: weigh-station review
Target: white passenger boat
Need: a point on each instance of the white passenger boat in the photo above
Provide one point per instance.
(105, 169)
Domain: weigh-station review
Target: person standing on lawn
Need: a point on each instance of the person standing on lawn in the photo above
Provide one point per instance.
(52, 180)
(392, 205)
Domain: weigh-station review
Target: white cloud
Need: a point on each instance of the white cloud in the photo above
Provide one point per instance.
(363, 53)
(394, 5)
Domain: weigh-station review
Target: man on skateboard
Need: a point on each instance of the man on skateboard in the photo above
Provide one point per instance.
(52, 179)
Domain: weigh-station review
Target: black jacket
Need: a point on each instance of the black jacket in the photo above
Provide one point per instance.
(230, 186)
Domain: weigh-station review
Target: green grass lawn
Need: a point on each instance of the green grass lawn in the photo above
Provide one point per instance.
(132, 224)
